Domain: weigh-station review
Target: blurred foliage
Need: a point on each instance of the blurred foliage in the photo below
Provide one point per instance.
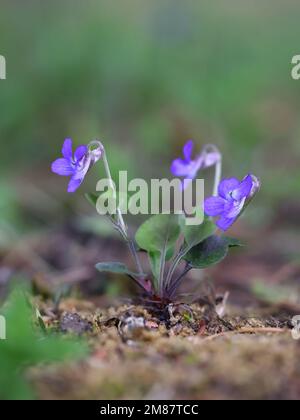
(273, 293)
(27, 345)
(146, 76)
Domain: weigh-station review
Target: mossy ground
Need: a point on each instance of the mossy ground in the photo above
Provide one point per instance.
(215, 348)
(195, 354)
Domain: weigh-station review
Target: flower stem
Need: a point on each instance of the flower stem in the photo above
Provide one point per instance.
(113, 187)
(134, 253)
(218, 174)
(120, 223)
(179, 279)
(174, 265)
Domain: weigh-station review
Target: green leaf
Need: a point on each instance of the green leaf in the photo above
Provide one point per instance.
(158, 233)
(27, 345)
(270, 293)
(92, 198)
(193, 235)
(233, 242)
(158, 236)
(169, 253)
(154, 258)
(116, 268)
(211, 251)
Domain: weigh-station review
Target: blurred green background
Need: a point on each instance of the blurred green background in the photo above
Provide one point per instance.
(145, 76)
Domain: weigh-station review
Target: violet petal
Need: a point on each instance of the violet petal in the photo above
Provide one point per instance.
(188, 150)
(227, 186)
(214, 206)
(62, 167)
(80, 152)
(179, 167)
(211, 159)
(67, 149)
(234, 208)
(74, 184)
(224, 223)
(244, 188)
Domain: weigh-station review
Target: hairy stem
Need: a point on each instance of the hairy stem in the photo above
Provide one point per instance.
(120, 223)
(218, 165)
(135, 256)
(113, 187)
(218, 174)
(162, 266)
(179, 279)
(183, 251)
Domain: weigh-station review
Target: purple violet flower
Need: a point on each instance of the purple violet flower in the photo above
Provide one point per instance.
(78, 165)
(188, 167)
(233, 196)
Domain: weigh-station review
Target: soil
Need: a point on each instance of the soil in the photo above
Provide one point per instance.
(233, 341)
(183, 352)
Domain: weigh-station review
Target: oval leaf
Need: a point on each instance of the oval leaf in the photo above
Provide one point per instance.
(158, 233)
(211, 251)
(193, 235)
(116, 268)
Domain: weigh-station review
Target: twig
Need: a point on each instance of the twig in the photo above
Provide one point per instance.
(248, 330)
